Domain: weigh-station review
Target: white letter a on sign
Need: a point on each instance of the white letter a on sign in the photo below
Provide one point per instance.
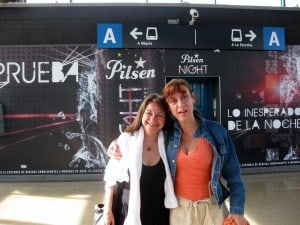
(274, 39)
(109, 36)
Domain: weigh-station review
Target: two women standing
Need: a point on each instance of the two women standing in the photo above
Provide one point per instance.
(200, 154)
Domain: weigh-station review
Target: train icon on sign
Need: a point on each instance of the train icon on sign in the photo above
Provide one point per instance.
(151, 34)
(236, 35)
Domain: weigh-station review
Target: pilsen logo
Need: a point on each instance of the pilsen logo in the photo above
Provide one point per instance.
(128, 72)
(192, 64)
(37, 72)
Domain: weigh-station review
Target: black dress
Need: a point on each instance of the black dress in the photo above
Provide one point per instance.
(152, 191)
(152, 211)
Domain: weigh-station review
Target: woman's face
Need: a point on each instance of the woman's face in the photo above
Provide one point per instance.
(153, 119)
(181, 104)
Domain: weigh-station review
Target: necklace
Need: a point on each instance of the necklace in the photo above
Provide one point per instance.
(149, 146)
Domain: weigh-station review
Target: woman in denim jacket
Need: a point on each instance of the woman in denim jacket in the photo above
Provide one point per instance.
(200, 154)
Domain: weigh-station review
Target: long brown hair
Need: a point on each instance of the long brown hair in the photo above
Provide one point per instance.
(152, 98)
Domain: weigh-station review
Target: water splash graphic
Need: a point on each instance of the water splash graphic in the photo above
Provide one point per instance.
(290, 82)
(92, 152)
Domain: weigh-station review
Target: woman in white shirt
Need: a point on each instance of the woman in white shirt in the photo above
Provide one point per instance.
(151, 192)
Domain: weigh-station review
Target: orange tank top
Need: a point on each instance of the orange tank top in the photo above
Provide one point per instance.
(193, 172)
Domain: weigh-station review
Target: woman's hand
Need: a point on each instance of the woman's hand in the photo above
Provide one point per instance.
(113, 150)
(239, 219)
(108, 218)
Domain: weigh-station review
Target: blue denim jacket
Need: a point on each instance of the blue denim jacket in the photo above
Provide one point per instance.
(225, 161)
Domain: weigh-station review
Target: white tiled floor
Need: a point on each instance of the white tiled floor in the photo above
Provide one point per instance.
(272, 199)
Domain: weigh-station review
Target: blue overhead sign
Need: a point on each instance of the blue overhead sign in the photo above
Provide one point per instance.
(109, 35)
(274, 38)
(117, 35)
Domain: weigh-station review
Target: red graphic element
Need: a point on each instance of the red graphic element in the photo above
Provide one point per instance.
(272, 95)
(29, 134)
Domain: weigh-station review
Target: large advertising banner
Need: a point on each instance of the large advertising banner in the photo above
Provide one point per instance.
(50, 111)
(63, 105)
(124, 78)
(259, 99)
(262, 111)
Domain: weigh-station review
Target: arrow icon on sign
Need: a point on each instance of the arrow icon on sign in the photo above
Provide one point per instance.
(251, 35)
(134, 33)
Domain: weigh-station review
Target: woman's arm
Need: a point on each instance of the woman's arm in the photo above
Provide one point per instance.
(108, 217)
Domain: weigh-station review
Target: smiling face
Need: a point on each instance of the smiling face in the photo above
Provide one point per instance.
(153, 119)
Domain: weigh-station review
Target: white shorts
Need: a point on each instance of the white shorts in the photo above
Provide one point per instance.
(201, 212)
